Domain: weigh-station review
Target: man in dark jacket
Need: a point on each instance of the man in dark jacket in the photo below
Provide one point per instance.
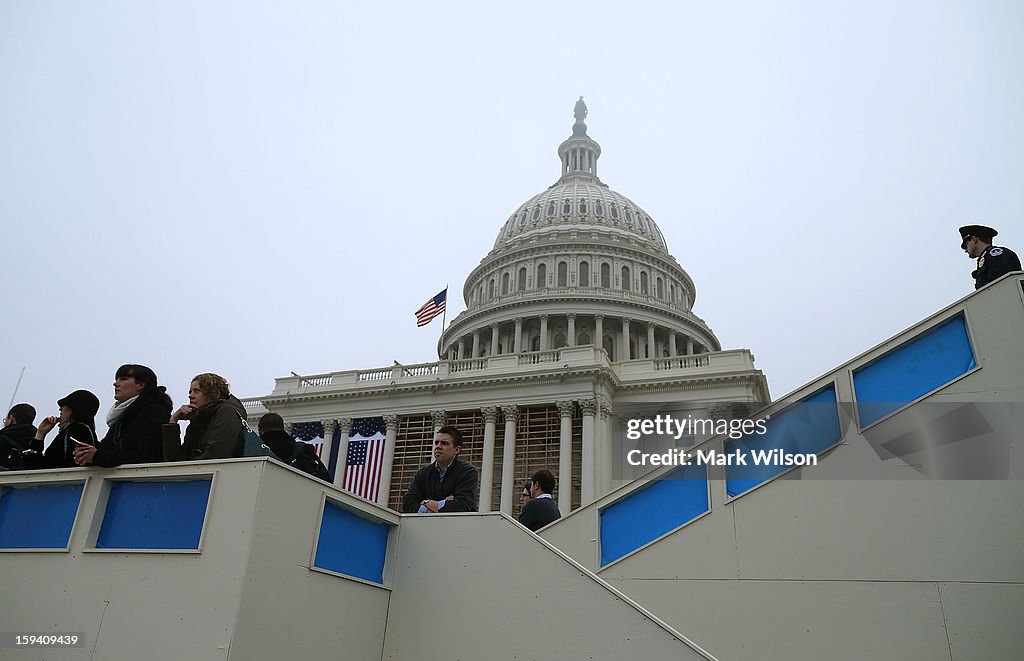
(542, 510)
(993, 261)
(17, 433)
(446, 485)
(271, 430)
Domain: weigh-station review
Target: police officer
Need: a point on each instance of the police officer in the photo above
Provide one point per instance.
(993, 261)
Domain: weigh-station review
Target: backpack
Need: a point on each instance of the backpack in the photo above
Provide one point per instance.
(304, 458)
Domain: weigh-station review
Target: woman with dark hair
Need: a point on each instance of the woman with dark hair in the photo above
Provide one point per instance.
(215, 422)
(140, 408)
(77, 428)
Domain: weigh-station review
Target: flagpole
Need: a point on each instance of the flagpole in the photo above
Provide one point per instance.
(18, 385)
(444, 314)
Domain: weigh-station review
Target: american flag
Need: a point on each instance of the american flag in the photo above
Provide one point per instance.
(431, 308)
(365, 456)
(309, 432)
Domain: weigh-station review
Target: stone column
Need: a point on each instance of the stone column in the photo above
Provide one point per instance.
(650, 342)
(672, 344)
(325, 451)
(588, 408)
(462, 348)
(565, 457)
(494, 340)
(625, 339)
(438, 416)
(571, 340)
(518, 337)
(543, 332)
(384, 489)
(345, 425)
(599, 331)
(487, 462)
(605, 450)
(476, 344)
(508, 458)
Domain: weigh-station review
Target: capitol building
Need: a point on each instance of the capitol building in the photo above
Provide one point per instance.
(578, 316)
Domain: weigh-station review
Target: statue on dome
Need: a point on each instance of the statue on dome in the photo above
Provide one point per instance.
(579, 111)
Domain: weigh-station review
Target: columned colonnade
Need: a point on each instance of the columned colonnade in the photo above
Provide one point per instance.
(596, 458)
(624, 338)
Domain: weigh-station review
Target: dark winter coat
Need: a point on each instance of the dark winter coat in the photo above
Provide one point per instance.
(61, 452)
(13, 439)
(136, 436)
(213, 432)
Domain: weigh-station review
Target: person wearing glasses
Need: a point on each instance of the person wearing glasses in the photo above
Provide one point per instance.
(993, 261)
(542, 510)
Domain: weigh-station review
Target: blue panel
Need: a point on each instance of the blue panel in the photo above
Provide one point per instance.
(38, 517)
(912, 370)
(649, 513)
(809, 426)
(154, 515)
(351, 545)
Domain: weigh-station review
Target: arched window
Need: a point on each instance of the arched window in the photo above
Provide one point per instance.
(599, 208)
(659, 288)
(490, 289)
(551, 209)
(672, 293)
(566, 207)
(583, 339)
(626, 284)
(536, 212)
(522, 218)
(629, 216)
(643, 282)
(609, 347)
(582, 207)
(606, 276)
(615, 212)
(563, 274)
(542, 276)
(505, 284)
(584, 269)
(559, 340)
(521, 279)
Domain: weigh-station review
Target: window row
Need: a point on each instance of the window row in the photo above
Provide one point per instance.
(624, 280)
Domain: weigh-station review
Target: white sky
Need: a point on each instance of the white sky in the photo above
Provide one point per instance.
(252, 188)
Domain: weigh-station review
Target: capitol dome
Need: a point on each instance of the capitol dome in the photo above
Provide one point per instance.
(578, 264)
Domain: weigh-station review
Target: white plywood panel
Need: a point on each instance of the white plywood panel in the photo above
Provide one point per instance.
(801, 620)
(483, 587)
(289, 611)
(984, 620)
(883, 530)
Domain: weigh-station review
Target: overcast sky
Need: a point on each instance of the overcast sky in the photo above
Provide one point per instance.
(254, 188)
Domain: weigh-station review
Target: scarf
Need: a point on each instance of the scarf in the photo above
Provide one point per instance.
(118, 408)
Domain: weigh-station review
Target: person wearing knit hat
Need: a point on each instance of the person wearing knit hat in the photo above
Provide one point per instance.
(77, 427)
(993, 261)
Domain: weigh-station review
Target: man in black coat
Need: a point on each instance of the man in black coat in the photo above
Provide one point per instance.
(993, 261)
(542, 510)
(17, 433)
(446, 485)
(271, 430)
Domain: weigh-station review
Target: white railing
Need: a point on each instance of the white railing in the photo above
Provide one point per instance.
(374, 375)
(682, 362)
(538, 357)
(468, 365)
